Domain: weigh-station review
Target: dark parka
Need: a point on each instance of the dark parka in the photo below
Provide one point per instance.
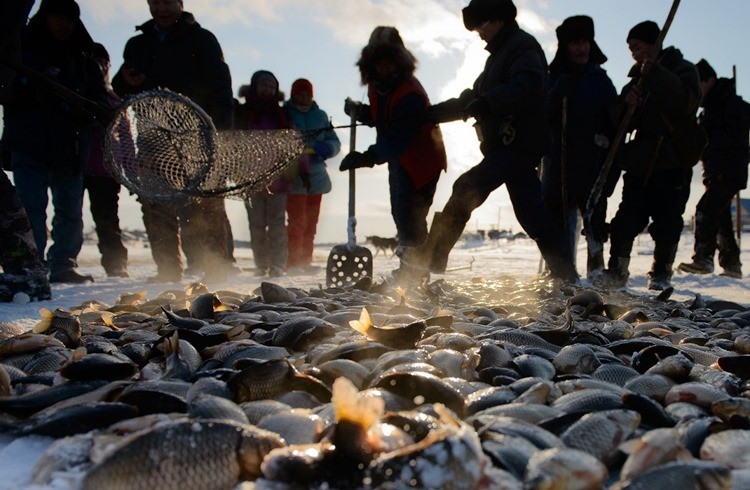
(725, 119)
(514, 83)
(39, 124)
(188, 60)
(672, 93)
(591, 99)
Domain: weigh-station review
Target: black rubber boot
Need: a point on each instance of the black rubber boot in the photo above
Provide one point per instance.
(433, 254)
(559, 260)
(660, 276)
(616, 275)
(704, 248)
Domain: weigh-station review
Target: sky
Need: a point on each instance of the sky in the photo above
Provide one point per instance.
(321, 40)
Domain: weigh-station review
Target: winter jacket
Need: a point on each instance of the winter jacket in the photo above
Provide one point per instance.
(95, 162)
(266, 114)
(514, 83)
(40, 124)
(402, 139)
(672, 94)
(186, 59)
(591, 102)
(312, 119)
(726, 120)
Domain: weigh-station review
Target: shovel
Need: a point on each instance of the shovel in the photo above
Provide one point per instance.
(348, 263)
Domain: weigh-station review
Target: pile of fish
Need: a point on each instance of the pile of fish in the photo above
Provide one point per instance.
(484, 384)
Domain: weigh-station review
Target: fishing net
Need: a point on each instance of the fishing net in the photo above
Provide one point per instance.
(163, 147)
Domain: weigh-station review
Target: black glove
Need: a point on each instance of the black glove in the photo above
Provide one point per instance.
(450, 110)
(356, 159)
(477, 108)
(352, 105)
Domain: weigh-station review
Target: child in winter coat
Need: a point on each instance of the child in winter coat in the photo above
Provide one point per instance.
(303, 203)
(266, 208)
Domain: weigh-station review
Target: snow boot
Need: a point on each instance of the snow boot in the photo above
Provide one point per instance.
(659, 278)
(735, 272)
(616, 276)
(70, 276)
(697, 266)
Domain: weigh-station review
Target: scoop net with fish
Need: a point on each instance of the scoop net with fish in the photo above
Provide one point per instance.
(164, 147)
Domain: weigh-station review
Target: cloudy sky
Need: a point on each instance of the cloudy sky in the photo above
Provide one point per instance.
(321, 40)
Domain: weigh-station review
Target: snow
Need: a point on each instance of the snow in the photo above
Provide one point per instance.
(491, 258)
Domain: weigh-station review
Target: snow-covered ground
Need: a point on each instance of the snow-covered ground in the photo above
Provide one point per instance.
(491, 258)
(518, 258)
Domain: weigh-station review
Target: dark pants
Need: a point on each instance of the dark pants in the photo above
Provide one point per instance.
(409, 205)
(34, 179)
(515, 170)
(104, 194)
(714, 225)
(17, 246)
(662, 200)
(202, 227)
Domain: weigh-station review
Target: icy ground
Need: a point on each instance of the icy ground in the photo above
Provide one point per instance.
(518, 258)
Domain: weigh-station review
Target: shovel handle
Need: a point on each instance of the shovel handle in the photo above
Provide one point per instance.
(352, 221)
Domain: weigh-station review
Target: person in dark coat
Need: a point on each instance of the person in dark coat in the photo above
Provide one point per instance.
(656, 184)
(103, 190)
(173, 51)
(23, 271)
(725, 119)
(48, 137)
(509, 103)
(412, 146)
(582, 91)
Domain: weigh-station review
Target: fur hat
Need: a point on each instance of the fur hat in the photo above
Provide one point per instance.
(480, 11)
(65, 8)
(572, 29)
(302, 85)
(705, 71)
(385, 43)
(647, 31)
(263, 75)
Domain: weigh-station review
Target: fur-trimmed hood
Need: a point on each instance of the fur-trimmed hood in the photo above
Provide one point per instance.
(385, 43)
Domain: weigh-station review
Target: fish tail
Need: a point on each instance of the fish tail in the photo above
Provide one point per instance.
(364, 323)
(348, 405)
(46, 322)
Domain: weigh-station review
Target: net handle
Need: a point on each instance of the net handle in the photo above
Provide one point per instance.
(352, 221)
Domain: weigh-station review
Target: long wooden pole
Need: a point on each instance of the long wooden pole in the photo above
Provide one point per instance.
(596, 246)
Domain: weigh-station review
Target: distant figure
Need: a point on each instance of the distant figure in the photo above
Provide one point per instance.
(726, 119)
(509, 104)
(656, 185)
(23, 272)
(266, 208)
(48, 138)
(303, 203)
(412, 146)
(104, 191)
(581, 88)
(173, 51)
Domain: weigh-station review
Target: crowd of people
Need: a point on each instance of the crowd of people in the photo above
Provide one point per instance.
(548, 132)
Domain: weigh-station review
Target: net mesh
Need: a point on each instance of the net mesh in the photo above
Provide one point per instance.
(162, 146)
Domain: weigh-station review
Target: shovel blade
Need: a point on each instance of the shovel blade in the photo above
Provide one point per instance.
(345, 267)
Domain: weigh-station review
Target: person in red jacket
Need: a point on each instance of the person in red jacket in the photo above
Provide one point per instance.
(412, 146)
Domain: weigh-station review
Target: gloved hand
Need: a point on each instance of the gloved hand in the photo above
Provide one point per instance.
(306, 181)
(352, 105)
(477, 108)
(322, 150)
(356, 159)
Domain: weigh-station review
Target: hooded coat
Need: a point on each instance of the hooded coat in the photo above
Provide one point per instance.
(187, 59)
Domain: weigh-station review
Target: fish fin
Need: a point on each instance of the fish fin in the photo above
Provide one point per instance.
(364, 323)
(79, 353)
(349, 405)
(684, 454)
(107, 319)
(45, 323)
(235, 332)
(402, 295)
(446, 416)
(630, 446)
(172, 345)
